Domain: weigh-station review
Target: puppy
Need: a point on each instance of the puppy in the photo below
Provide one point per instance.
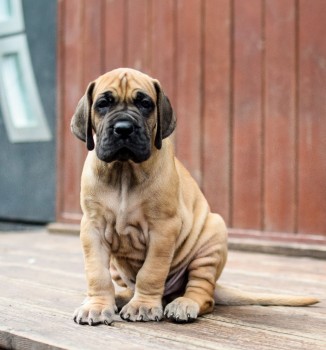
(146, 224)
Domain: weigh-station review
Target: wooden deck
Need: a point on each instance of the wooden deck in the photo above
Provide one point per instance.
(42, 281)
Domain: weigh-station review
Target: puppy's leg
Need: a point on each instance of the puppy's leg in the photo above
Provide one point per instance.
(123, 297)
(99, 306)
(123, 294)
(203, 271)
(146, 304)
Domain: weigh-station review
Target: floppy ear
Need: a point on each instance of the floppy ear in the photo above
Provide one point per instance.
(81, 122)
(166, 120)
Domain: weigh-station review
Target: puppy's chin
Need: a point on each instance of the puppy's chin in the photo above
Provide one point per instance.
(123, 154)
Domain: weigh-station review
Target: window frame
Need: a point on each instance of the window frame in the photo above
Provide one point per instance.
(17, 44)
(15, 22)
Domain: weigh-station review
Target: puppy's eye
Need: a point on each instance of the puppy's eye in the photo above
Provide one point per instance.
(144, 103)
(102, 104)
(147, 104)
(105, 102)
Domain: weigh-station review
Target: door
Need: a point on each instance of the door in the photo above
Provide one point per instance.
(247, 80)
(27, 113)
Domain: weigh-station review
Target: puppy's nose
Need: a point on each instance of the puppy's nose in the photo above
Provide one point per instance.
(123, 128)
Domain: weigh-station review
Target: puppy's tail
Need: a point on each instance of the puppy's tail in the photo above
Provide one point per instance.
(233, 296)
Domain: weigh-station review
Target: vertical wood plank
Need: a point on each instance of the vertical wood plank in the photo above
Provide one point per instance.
(216, 105)
(71, 92)
(189, 85)
(280, 124)
(138, 35)
(93, 18)
(92, 55)
(163, 45)
(60, 110)
(312, 117)
(114, 34)
(247, 131)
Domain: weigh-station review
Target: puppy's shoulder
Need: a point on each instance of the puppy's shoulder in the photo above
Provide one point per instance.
(189, 188)
(184, 175)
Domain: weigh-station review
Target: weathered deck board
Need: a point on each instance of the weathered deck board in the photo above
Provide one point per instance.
(42, 281)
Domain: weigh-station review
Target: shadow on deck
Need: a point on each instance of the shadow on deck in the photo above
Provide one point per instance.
(42, 281)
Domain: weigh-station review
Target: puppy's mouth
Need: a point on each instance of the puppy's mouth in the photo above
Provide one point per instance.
(123, 154)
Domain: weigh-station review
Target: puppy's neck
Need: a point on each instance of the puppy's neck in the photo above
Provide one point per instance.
(125, 174)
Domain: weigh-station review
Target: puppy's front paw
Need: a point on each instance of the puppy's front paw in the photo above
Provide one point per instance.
(142, 311)
(182, 310)
(95, 310)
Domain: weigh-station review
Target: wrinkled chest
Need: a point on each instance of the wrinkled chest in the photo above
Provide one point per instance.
(126, 227)
(129, 243)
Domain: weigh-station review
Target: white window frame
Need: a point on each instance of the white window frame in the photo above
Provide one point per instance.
(17, 44)
(15, 22)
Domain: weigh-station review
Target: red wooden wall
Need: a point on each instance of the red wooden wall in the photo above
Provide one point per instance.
(248, 82)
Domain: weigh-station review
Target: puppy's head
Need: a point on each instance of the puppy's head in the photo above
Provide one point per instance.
(129, 113)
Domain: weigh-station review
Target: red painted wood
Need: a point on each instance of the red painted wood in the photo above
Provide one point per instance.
(312, 117)
(163, 49)
(280, 116)
(70, 93)
(246, 81)
(216, 105)
(247, 114)
(277, 236)
(138, 26)
(93, 37)
(114, 28)
(189, 85)
(59, 103)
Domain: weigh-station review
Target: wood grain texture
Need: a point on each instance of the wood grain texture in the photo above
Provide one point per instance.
(312, 118)
(216, 134)
(72, 90)
(60, 136)
(163, 49)
(280, 116)
(138, 26)
(114, 34)
(189, 85)
(247, 114)
(93, 38)
(44, 280)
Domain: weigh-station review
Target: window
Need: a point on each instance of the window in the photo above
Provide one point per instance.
(11, 17)
(19, 98)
